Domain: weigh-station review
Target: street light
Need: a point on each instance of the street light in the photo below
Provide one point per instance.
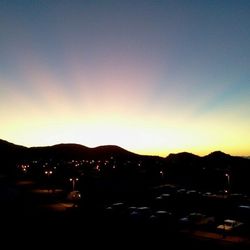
(228, 181)
(48, 173)
(73, 180)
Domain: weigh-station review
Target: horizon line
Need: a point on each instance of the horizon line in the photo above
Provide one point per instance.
(115, 145)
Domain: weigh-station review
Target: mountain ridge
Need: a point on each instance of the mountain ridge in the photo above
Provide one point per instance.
(4, 144)
(62, 150)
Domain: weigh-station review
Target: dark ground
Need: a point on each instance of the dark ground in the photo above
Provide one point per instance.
(26, 222)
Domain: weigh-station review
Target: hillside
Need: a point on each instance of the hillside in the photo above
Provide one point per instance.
(13, 152)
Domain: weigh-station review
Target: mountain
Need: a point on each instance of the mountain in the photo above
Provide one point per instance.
(13, 152)
(183, 160)
(216, 159)
(226, 162)
(59, 151)
(182, 157)
(10, 151)
(9, 155)
(218, 156)
(181, 167)
(113, 150)
(77, 151)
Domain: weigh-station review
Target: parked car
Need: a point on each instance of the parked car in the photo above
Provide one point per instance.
(197, 219)
(229, 225)
(116, 210)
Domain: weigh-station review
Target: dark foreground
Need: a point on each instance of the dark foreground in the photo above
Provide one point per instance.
(32, 216)
(77, 232)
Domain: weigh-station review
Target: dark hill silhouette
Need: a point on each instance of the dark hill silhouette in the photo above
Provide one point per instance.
(77, 151)
(195, 171)
(9, 155)
(183, 161)
(8, 149)
(13, 152)
(218, 156)
(183, 156)
(225, 161)
(60, 151)
(113, 150)
(70, 150)
(215, 160)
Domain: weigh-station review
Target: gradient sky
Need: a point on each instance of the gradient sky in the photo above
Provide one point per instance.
(154, 77)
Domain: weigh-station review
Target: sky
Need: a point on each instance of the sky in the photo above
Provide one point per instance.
(153, 77)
